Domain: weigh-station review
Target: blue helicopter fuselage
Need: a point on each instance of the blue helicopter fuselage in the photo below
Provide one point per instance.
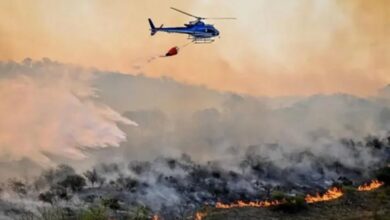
(196, 29)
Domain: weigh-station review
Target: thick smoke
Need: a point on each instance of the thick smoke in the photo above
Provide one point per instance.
(176, 118)
(49, 109)
(192, 145)
(240, 146)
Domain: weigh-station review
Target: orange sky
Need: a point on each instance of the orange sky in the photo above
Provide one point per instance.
(296, 47)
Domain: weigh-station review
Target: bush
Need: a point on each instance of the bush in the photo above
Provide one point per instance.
(95, 213)
(93, 177)
(60, 192)
(111, 203)
(293, 204)
(349, 190)
(128, 183)
(56, 213)
(278, 195)
(351, 195)
(47, 197)
(290, 204)
(345, 181)
(18, 187)
(383, 175)
(74, 182)
(141, 213)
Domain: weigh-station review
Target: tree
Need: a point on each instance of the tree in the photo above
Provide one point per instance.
(112, 203)
(383, 174)
(74, 182)
(51, 177)
(92, 176)
(47, 197)
(18, 187)
(141, 213)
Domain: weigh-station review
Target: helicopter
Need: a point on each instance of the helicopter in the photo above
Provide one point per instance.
(197, 31)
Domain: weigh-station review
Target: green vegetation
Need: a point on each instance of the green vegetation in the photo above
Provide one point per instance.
(290, 204)
(95, 213)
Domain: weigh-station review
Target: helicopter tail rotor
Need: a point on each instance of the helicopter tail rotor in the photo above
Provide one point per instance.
(153, 29)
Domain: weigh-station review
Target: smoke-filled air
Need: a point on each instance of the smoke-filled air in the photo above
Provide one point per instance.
(48, 109)
(281, 110)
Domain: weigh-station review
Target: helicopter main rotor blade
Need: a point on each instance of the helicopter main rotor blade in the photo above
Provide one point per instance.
(178, 10)
(222, 18)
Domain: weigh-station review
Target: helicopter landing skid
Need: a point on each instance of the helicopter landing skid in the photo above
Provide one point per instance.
(201, 40)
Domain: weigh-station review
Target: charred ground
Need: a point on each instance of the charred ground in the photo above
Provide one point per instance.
(176, 188)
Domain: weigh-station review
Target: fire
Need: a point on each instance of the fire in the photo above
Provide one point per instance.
(374, 184)
(332, 193)
(199, 215)
(241, 204)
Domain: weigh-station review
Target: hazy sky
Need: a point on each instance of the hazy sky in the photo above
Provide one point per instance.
(276, 47)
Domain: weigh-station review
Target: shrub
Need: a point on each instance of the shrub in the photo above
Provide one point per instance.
(111, 203)
(95, 213)
(60, 192)
(47, 197)
(74, 182)
(290, 204)
(383, 175)
(141, 213)
(278, 195)
(351, 195)
(349, 190)
(56, 213)
(93, 177)
(293, 204)
(18, 187)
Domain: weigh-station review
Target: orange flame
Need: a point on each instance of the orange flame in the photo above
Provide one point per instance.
(199, 215)
(332, 193)
(374, 184)
(241, 204)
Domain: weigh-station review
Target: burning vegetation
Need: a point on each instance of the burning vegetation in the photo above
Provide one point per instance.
(331, 194)
(199, 215)
(374, 184)
(175, 188)
(242, 204)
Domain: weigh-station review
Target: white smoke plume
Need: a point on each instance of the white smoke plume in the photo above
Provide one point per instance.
(176, 118)
(49, 108)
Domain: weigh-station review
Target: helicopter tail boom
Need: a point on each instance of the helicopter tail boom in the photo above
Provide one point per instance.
(153, 29)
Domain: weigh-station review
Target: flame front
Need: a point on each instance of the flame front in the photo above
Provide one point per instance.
(374, 184)
(199, 215)
(241, 204)
(332, 193)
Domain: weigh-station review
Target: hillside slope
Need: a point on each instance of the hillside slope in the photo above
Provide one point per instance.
(352, 206)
